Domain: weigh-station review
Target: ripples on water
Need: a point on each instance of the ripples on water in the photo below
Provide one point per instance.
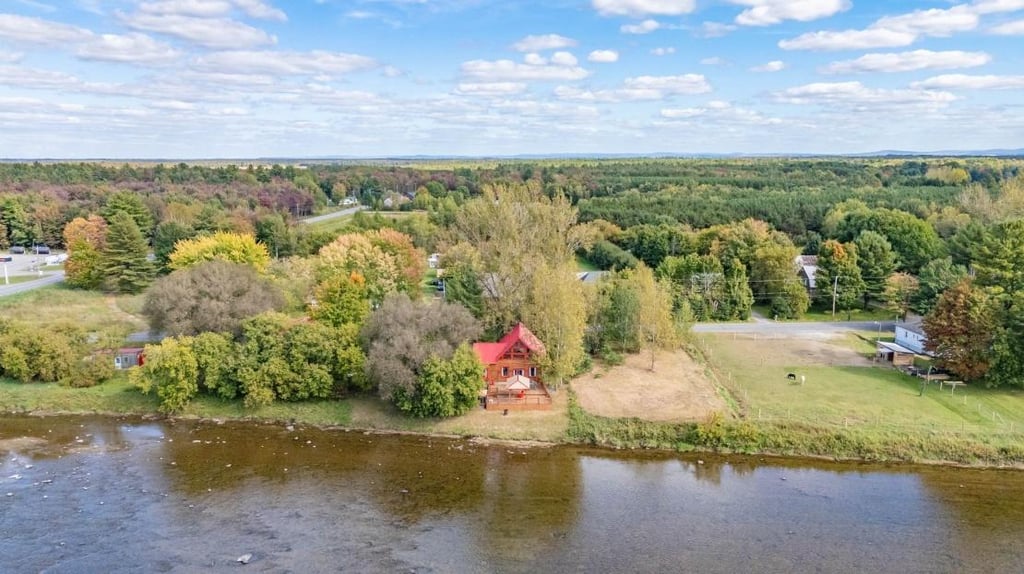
(105, 495)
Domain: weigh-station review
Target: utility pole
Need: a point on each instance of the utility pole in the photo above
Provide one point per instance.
(835, 292)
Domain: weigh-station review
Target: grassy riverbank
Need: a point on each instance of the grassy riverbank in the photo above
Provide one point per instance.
(797, 439)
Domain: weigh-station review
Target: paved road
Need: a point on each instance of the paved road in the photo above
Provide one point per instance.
(333, 215)
(48, 279)
(794, 328)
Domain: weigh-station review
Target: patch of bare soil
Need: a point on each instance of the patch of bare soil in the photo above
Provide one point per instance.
(676, 390)
(793, 351)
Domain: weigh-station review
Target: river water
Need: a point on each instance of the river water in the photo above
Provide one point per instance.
(113, 495)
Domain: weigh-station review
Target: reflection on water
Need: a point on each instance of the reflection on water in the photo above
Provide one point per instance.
(104, 495)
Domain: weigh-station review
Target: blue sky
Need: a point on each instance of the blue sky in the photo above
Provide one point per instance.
(299, 78)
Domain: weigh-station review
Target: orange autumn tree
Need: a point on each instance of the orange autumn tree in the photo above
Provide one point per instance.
(86, 240)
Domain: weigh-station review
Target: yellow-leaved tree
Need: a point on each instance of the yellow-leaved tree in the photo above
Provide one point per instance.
(220, 246)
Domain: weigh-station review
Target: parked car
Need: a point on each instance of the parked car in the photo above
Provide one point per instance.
(42, 250)
(17, 249)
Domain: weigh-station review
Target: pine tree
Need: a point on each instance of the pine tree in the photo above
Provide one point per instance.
(127, 268)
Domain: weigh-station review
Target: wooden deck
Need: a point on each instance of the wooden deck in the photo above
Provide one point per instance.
(532, 400)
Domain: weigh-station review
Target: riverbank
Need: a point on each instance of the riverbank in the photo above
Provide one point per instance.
(567, 424)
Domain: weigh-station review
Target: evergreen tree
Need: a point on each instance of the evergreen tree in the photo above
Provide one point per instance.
(126, 266)
(131, 204)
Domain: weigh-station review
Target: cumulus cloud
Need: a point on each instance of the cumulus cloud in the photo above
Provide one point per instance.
(134, 47)
(543, 42)
(856, 95)
(890, 31)
(641, 8)
(219, 33)
(720, 112)
(909, 61)
(285, 63)
(639, 88)
(563, 59)
(30, 30)
(645, 27)
(490, 89)
(603, 56)
(714, 29)
(768, 12)
(773, 66)
(491, 71)
(996, 6)
(663, 51)
(969, 82)
(213, 8)
(1015, 28)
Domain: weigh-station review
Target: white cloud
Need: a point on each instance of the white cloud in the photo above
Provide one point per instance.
(909, 61)
(663, 51)
(996, 6)
(720, 112)
(535, 59)
(11, 57)
(213, 8)
(968, 82)
(490, 71)
(133, 47)
(491, 89)
(767, 12)
(645, 27)
(773, 66)
(890, 31)
(641, 88)
(603, 56)
(544, 42)
(1015, 28)
(858, 96)
(933, 22)
(563, 59)
(849, 40)
(288, 63)
(640, 8)
(38, 31)
(713, 61)
(715, 29)
(220, 33)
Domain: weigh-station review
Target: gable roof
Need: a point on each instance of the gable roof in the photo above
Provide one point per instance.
(489, 353)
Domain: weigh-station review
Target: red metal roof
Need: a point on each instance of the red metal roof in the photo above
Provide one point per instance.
(489, 353)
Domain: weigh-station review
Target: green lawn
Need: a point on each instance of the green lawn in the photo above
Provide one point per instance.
(339, 224)
(854, 395)
(816, 314)
(12, 279)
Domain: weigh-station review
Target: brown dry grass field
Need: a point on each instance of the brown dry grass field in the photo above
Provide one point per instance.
(677, 390)
(797, 350)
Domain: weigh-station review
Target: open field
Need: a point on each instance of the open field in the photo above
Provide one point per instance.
(676, 390)
(338, 224)
(89, 310)
(844, 387)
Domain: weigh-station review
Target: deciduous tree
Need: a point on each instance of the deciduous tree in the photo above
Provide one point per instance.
(557, 314)
(960, 330)
(226, 246)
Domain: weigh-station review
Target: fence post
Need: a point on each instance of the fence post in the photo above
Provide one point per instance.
(758, 414)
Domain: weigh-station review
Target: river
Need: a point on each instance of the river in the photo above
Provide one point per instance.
(127, 495)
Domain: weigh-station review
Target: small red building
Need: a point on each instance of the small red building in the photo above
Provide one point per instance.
(512, 372)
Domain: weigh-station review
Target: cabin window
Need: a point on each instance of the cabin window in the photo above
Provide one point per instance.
(533, 371)
(519, 371)
(504, 371)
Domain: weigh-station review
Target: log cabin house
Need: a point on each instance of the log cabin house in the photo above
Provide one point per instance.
(512, 374)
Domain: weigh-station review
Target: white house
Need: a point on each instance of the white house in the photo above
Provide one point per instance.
(912, 336)
(434, 260)
(806, 269)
